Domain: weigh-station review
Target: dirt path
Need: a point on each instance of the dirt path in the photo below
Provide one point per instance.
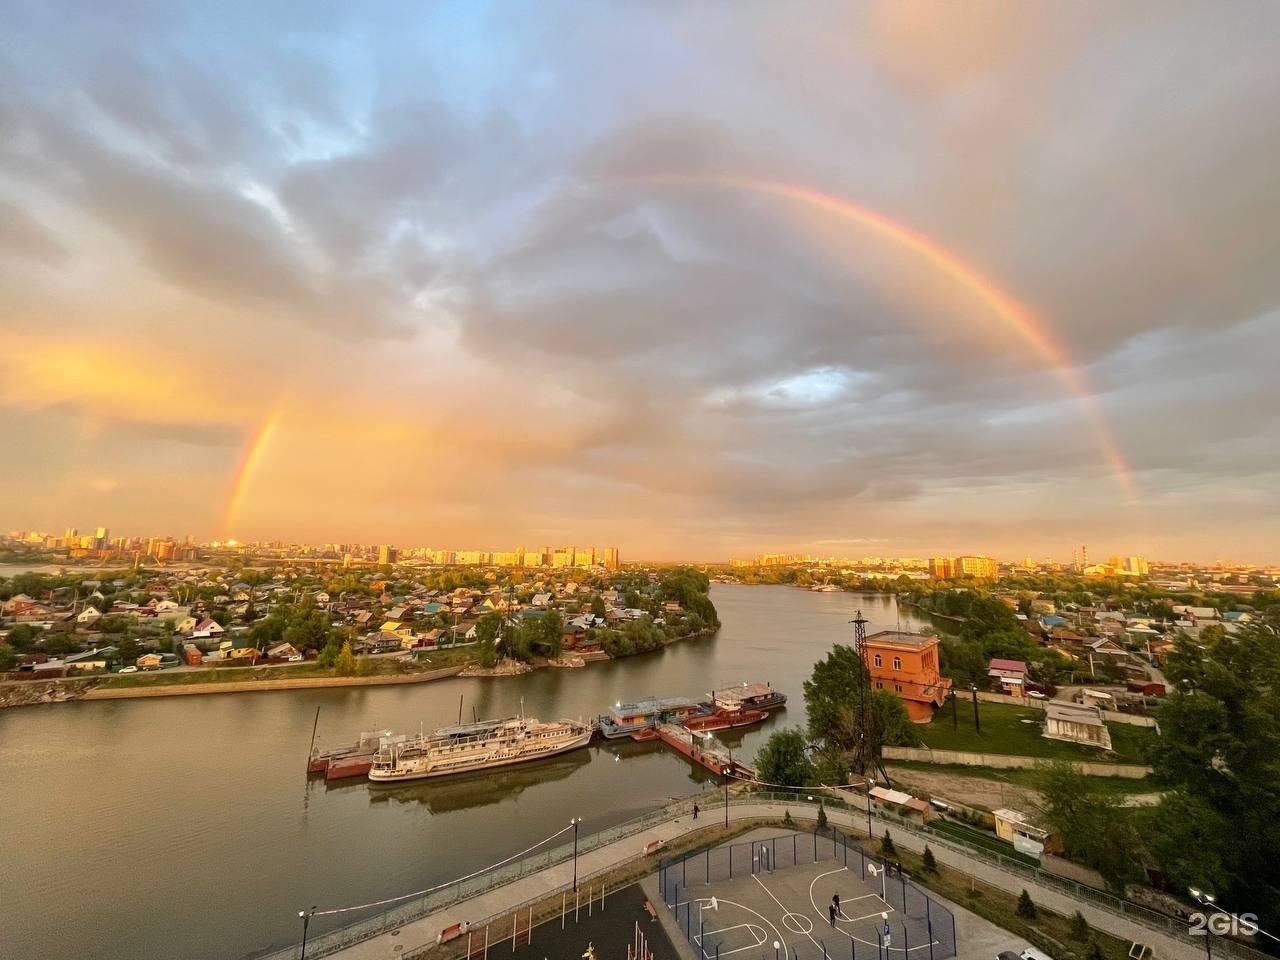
(970, 791)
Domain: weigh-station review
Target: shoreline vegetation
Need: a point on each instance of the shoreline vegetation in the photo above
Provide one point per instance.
(281, 677)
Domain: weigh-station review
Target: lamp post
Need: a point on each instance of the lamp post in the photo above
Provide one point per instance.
(977, 724)
(574, 823)
(305, 916)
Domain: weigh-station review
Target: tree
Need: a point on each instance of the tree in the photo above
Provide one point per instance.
(1079, 927)
(8, 658)
(1026, 908)
(345, 664)
(597, 606)
(929, 862)
(1219, 751)
(328, 654)
(784, 759)
(887, 849)
(822, 815)
(487, 630)
(129, 649)
(22, 637)
(1093, 826)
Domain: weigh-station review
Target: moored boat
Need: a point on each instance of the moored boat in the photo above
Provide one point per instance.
(476, 746)
(367, 745)
(749, 696)
(629, 719)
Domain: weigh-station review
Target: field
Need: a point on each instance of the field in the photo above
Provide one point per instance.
(1013, 730)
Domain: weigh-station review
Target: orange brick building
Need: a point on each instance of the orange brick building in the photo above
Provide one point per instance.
(907, 664)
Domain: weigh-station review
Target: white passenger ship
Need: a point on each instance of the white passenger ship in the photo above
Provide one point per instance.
(477, 746)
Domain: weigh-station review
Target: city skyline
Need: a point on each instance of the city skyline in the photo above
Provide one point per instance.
(886, 278)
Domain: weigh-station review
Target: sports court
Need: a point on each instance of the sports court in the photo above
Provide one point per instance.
(740, 899)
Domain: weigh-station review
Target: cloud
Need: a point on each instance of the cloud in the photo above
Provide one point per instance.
(454, 252)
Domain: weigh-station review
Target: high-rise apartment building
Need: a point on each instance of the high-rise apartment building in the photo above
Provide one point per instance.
(611, 561)
(983, 567)
(942, 568)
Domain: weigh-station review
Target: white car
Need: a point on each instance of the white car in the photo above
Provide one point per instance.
(296, 658)
(128, 669)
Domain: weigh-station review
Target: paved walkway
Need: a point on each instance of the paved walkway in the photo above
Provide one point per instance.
(422, 933)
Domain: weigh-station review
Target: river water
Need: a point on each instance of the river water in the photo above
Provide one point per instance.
(185, 827)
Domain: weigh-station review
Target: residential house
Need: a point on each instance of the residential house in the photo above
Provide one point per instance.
(1076, 723)
(1010, 675)
(207, 629)
(907, 664)
(88, 615)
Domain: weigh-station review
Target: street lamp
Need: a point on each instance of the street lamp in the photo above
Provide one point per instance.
(305, 916)
(573, 823)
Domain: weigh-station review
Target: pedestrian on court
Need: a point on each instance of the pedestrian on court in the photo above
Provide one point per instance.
(831, 912)
(835, 901)
(695, 811)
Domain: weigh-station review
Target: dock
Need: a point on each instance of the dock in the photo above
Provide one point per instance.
(703, 750)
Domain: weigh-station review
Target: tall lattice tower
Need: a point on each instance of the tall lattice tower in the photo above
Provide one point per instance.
(863, 758)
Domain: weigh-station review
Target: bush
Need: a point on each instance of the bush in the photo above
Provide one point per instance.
(1026, 908)
(786, 819)
(1095, 951)
(822, 816)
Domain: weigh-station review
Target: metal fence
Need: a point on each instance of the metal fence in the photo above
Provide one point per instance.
(323, 944)
(920, 925)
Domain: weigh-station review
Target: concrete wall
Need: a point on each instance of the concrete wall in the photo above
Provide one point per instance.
(1111, 716)
(1002, 761)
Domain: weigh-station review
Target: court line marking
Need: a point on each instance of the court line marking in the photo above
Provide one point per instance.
(756, 931)
(813, 903)
(783, 906)
(733, 903)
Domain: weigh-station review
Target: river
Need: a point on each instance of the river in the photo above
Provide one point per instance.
(185, 827)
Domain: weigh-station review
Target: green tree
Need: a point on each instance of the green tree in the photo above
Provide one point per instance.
(22, 637)
(129, 649)
(8, 658)
(1026, 908)
(487, 629)
(784, 759)
(328, 655)
(1079, 927)
(929, 861)
(597, 606)
(887, 849)
(1219, 752)
(345, 663)
(833, 697)
(1093, 826)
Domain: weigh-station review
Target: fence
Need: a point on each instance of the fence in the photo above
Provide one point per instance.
(1004, 761)
(323, 944)
(919, 923)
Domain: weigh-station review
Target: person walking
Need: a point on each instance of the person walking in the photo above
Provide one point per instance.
(695, 811)
(831, 912)
(835, 902)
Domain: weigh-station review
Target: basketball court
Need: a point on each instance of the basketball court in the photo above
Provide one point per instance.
(776, 907)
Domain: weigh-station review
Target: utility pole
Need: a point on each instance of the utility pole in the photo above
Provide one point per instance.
(864, 683)
(977, 724)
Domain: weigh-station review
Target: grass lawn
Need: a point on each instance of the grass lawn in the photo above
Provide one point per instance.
(980, 838)
(1003, 731)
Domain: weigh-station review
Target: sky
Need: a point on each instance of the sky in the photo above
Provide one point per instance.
(701, 280)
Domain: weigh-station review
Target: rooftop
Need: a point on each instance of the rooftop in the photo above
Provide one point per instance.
(898, 636)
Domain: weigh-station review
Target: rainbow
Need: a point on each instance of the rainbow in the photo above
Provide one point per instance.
(997, 301)
(251, 455)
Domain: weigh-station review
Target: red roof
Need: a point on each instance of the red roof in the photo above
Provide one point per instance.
(1012, 666)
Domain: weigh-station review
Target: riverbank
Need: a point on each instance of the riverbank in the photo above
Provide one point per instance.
(259, 686)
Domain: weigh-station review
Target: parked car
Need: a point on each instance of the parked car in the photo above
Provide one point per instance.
(130, 669)
(1028, 953)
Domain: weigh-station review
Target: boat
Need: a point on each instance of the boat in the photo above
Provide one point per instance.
(366, 746)
(476, 746)
(724, 718)
(749, 696)
(630, 719)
